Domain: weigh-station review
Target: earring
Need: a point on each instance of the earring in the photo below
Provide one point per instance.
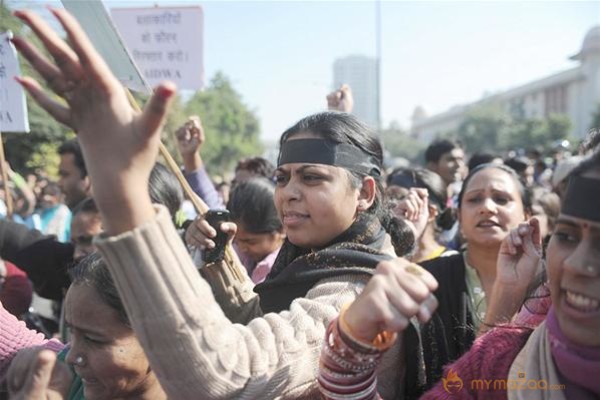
(78, 361)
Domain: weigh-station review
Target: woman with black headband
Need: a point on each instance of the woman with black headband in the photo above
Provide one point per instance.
(328, 196)
(399, 183)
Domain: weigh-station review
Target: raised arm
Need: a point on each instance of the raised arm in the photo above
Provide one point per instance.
(190, 137)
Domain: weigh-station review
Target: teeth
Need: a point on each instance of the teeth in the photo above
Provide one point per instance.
(581, 302)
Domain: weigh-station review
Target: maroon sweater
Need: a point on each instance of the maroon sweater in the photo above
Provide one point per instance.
(489, 359)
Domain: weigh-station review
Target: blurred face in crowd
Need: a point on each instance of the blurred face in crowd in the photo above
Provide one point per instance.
(257, 245)
(49, 198)
(573, 262)
(84, 226)
(450, 166)
(74, 186)
(491, 206)
(315, 202)
(112, 363)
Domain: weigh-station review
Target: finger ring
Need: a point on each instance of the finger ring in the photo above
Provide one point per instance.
(414, 269)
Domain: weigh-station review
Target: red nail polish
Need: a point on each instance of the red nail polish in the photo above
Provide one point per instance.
(17, 43)
(164, 92)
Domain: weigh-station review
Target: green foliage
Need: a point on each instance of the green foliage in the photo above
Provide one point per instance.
(231, 129)
(399, 143)
(490, 128)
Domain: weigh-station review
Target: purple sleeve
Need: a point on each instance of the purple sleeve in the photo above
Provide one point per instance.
(203, 187)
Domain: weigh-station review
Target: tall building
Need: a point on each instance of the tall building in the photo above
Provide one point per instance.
(360, 72)
(574, 93)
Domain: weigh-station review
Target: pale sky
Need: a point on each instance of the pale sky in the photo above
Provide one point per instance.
(280, 55)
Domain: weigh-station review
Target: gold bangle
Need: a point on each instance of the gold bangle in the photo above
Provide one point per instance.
(383, 341)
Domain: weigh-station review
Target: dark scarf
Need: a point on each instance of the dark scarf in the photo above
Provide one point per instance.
(296, 270)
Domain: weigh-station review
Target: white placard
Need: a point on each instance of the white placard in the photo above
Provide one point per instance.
(166, 43)
(13, 107)
(97, 24)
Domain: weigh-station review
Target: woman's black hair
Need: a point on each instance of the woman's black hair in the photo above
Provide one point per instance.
(523, 191)
(164, 188)
(481, 158)
(423, 178)
(92, 272)
(251, 204)
(345, 128)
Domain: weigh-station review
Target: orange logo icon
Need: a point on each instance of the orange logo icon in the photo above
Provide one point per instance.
(452, 383)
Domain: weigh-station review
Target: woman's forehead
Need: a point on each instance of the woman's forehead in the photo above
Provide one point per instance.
(492, 178)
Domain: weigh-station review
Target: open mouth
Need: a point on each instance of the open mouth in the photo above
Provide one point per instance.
(488, 224)
(581, 303)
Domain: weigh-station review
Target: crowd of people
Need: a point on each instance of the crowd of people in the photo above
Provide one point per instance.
(341, 279)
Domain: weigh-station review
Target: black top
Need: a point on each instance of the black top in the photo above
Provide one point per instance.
(43, 258)
(450, 332)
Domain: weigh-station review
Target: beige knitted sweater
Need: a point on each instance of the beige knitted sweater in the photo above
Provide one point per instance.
(196, 351)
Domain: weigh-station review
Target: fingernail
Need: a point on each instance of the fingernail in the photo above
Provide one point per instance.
(16, 42)
(165, 91)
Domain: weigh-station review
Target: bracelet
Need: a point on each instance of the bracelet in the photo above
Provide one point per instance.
(383, 341)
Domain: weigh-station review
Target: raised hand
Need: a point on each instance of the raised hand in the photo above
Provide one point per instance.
(519, 256)
(119, 144)
(190, 136)
(341, 100)
(517, 266)
(199, 234)
(398, 291)
(414, 209)
(35, 374)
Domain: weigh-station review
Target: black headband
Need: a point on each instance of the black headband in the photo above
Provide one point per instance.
(582, 199)
(409, 180)
(321, 151)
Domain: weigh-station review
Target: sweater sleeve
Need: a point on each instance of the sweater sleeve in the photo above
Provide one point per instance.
(483, 370)
(234, 291)
(14, 336)
(192, 346)
(203, 187)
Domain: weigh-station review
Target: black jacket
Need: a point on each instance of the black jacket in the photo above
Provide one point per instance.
(43, 258)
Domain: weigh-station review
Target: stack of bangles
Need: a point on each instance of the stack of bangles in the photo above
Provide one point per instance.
(348, 365)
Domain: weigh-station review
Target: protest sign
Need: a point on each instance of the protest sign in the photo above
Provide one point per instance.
(13, 107)
(165, 42)
(96, 21)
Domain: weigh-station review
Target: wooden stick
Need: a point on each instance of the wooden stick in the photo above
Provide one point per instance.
(231, 259)
(8, 197)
